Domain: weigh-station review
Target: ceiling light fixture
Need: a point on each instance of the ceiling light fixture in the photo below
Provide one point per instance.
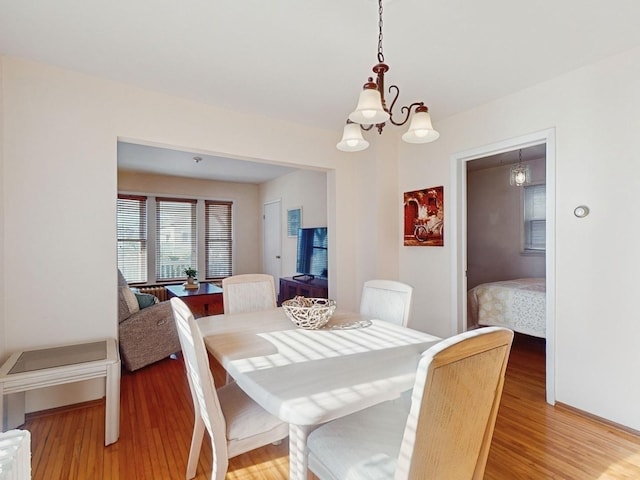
(372, 110)
(520, 174)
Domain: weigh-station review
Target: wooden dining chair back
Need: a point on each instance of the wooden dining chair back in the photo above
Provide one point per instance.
(387, 300)
(248, 293)
(446, 432)
(236, 424)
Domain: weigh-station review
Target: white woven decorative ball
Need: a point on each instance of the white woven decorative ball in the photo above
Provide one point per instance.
(309, 313)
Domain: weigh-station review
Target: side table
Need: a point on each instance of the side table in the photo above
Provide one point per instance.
(203, 301)
(31, 369)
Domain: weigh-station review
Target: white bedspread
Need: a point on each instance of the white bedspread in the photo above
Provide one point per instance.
(516, 304)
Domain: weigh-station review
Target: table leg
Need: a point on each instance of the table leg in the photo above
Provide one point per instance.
(112, 404)
(12, 408)
(298, 451)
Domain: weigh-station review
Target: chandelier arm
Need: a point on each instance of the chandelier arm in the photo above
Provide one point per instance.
(393, 102)
(406, 111)
(366, 129)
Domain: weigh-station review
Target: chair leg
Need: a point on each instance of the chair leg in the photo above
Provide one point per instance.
(196, 446)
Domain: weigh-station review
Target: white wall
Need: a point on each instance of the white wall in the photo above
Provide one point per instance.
(246, 209)
(302, 188)
(60, 177)
(596, 114)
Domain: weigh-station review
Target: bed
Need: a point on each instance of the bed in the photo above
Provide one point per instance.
(518, 304)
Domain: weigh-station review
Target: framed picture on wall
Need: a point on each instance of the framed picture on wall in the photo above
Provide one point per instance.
(294, 221)
(424, 217)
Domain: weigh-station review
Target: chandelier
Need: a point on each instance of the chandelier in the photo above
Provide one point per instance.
(372, 110)
(520, 174)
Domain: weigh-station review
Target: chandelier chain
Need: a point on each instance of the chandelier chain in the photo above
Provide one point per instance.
(380, 54)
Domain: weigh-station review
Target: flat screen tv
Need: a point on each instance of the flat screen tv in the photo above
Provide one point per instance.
(312, 260)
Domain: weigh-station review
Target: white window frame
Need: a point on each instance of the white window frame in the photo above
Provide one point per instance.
(129, 236)
(528, 217)
(181, 236)
(200, 236)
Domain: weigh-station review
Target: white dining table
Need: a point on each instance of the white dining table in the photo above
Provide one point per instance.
(309, 377)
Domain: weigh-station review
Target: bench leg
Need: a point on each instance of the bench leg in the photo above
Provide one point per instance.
(112, 404)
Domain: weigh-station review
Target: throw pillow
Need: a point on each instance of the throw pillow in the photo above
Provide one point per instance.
(145, 299)
(130, 299)
(123, 307)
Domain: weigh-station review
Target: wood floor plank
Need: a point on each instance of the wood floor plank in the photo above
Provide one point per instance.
(532, 440)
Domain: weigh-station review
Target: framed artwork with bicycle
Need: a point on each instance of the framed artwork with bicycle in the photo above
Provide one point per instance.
(424, 217)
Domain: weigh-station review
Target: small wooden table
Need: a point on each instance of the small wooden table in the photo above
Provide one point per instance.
(31, 369)
(203, 301)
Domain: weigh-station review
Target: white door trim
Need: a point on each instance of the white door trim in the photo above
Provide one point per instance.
(459, 236)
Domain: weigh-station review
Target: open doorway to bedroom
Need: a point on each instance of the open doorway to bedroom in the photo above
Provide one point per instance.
(506, 241)
(505, 251)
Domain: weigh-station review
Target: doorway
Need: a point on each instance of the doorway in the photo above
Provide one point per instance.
(460, 163)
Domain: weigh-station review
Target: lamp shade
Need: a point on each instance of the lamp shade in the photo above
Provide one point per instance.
(420, 129)
(352, 140)
(369, 110)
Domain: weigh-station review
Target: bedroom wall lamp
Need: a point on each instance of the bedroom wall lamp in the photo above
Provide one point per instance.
(520, 174)
(372, 110)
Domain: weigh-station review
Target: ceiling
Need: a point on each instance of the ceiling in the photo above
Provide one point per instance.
(163, 161)
(305, 61)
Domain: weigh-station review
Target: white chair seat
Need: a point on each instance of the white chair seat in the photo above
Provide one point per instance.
(243, 416)
(334, 454)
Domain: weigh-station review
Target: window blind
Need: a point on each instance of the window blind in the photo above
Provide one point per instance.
(535, 224)
(218, 238)
(132, 237)
(175, 237)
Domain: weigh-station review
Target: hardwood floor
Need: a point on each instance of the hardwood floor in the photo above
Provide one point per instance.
(532, 440)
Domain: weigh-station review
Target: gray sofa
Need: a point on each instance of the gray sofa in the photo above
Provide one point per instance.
(146, 334)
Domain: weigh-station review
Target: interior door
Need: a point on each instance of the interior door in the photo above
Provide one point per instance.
(272, 238)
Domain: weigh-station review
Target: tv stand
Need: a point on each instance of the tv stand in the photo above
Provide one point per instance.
(308, 287)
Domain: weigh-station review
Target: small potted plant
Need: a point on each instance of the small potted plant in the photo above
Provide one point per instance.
(191, 274)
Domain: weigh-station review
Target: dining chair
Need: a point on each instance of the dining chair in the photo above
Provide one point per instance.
(248, 293)
(236, 424)
(387, 300)
(445, 433)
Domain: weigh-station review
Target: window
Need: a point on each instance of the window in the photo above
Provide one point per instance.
(217, 239)
(535, 223)
(159, 237)
(132, 237)
(175, 237)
